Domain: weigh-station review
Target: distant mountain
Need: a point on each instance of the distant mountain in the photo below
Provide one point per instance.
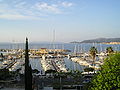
(101, 40)
(74, 42)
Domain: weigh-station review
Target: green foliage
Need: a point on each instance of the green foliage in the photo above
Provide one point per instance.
(28, 69)
(109, 50)
(109, 76)
(93, 52)
(77, 74)
(4, 74)
(50, 71)
(1, 55)
(35, 71)
(72, 74)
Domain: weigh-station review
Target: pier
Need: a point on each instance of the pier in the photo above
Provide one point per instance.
(11, 64)
(55, 66)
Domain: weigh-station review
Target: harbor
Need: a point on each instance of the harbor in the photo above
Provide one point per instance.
(54, 64)
(55, 59)
(59, 45)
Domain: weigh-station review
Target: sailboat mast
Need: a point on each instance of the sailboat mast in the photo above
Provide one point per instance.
(53, 39)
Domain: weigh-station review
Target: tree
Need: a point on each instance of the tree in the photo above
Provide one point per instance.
(50, 71)
(93, 52)
(4, 74)
(109, 76)
(2, 55)
(35, 71)
(109, 50)
(28, 70)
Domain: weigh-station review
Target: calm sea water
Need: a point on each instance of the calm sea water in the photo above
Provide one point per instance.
(70, 46)
(70, 65)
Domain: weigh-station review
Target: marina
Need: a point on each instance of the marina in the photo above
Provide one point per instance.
(54, 59)
(59, 45)
(51, 67)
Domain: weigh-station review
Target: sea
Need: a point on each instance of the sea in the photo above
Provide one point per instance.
(73, 47)
(70, 65)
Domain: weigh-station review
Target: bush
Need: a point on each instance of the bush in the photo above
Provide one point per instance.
(109, 76)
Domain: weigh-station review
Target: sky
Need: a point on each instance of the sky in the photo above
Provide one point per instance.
(69, 20)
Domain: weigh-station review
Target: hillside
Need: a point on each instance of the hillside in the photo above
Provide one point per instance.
(102, 40)
(99, 40)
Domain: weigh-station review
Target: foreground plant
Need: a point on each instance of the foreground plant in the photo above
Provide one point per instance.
(109, 76)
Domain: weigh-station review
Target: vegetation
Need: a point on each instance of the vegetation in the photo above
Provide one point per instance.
(109, 50)
(28, 70)
(72, 74)
(93, 52)
(102, 40)
(77, 74)
(50, 71)
(1, 55)
(7, 75)
(4, 74)
(35, 71)
(109, 76)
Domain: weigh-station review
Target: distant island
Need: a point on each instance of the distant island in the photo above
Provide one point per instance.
(101, 40)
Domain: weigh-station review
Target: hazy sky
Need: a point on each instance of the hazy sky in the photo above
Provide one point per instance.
(72, 20)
